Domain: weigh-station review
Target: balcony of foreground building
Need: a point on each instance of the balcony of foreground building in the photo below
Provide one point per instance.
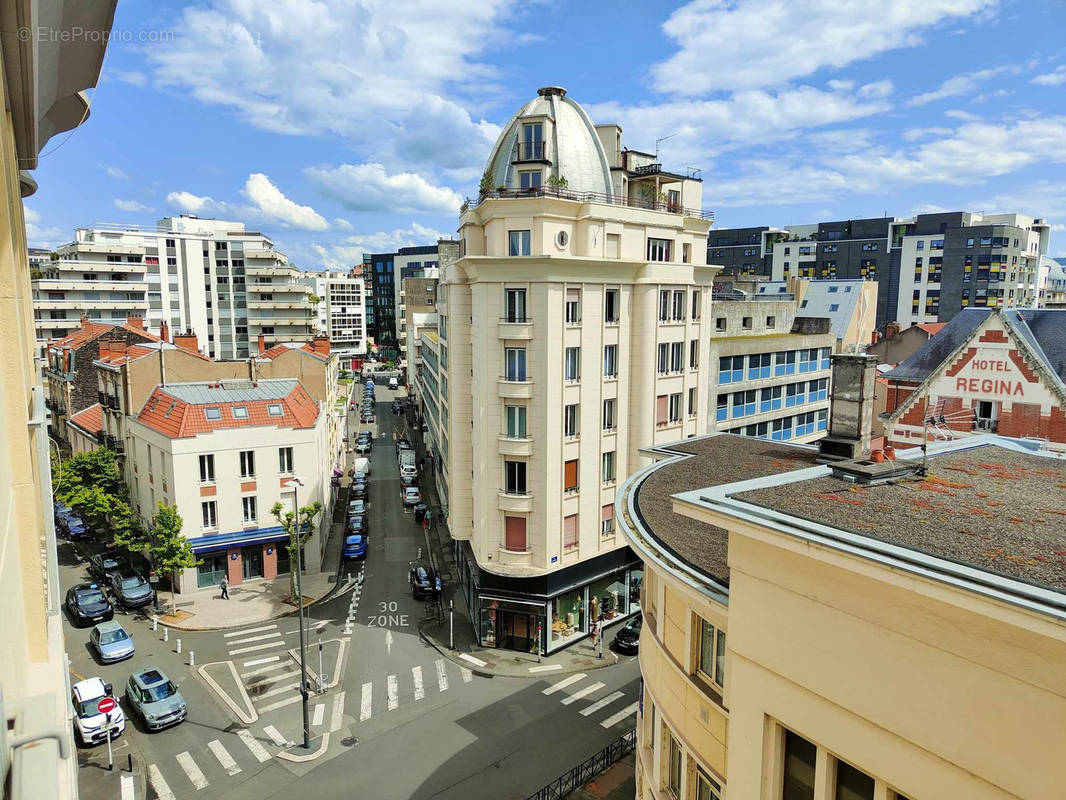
(513, 327)
(530, 153)
(86, 265)
(514, 499)
(515, 387)
(589, 197)
(286, 302)
(515, 445)
(82, 285)
(514, 558)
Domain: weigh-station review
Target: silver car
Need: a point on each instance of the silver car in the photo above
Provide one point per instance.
(111, 642)
(156, 698)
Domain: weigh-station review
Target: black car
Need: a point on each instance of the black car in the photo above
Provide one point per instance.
(357, 524)
(87, 605)
(627, 640)
(425, 582)
(131, 589)
(102, 565)
(359, 489)
(396, 407)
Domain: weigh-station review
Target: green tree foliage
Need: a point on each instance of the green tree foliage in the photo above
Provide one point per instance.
(486, 182)
(91, 483)
(287, 520)
(169, 550)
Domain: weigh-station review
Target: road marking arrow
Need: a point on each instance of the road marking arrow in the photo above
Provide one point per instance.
(388, 642)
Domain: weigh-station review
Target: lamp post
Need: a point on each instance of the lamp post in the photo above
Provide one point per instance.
(294, 482)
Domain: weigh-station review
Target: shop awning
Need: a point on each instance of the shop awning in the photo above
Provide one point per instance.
(224, 541)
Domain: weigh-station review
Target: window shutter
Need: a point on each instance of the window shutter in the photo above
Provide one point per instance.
(661, 409)
(570, 474)
(608, 511)
(570, 531)
(515, 533)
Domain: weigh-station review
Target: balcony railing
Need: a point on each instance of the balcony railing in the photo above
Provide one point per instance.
(516, 378)
(529, 151)
(589, 197)
(515, 318)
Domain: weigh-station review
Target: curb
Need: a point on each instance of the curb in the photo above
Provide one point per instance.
(288, 755)
(195, 628)
(245, 718)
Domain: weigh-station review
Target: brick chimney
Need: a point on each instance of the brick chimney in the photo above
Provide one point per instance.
(84, 321)
(851, 407)
(320, 345)
(187, 341)
(262, 344)
(135, 321)
(164, 331)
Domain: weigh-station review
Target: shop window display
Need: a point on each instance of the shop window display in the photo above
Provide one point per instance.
(636, 578)
(609, 599)
(568, 617)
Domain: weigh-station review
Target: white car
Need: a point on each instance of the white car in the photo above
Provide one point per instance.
(411, 496)
(90, 725)
(393, 383)
(409, 470)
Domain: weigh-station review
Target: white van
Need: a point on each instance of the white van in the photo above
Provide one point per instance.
(361, 467)
(393, 383)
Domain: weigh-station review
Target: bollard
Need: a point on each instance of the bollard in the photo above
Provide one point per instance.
(166, 634)
(192, 658)
(155, 623)
(179, 645)
(129, 762)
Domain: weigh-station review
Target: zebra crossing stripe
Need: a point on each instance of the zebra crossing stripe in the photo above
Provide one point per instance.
(614, 719)
(288, 701)
(584, 692)
(275, 735)
(468, 675)
(365, 701)
(260, 753)
(558, 687)
(250, 630)
(159, 786)
(416, 676)
(285, 687)
(253, 647)
(259, 661)
(442, 676)
(606, 701)
(250, 639)
(128, 790)
(319, 714)
(192, 772)
(393, 693)
(223, 756)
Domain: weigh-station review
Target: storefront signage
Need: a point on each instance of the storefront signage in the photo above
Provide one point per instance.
(990, 376)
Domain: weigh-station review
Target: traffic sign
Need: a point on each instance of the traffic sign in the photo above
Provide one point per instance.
(106, 705)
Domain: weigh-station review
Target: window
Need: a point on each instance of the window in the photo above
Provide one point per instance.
(515, 477)
(573, 307)
(610, 361)
(570, 532)
(808, 360)
(712, 653)
(239, 412)
(285, 460)
(570, 476)
(207, 469)
(744, 403)
(719, 324)
(673, 767)
(800, 759)
(870, 246)
(692, 401)
(247, 463)
(745, 323)
(659, 249)
(610, 305)
(529, 179)
(664, 305)
(677, 356)
(769, 399)
(515, 358)
(695, 304)
(519, 243)
(730, 369)
(853, 784)
(608, 414)
(834, 306)
(675, 407)
(664, 358)
(920, 244)
(722, 408)
(248, 508)
(829, 248)
(274, 409)
(514, 305)
(661, 409)
(607, 519)
(572, 364)
(677, 308)
(758, 366)
(209, 517)
(694, 354)
(514, 534)
(707, 788)
(213, 413)
(516, 422)
(607, 467)
(969, 242)
(570, 426)
(771, 322)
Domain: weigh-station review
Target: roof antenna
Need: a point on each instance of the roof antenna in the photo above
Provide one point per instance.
(660, 140)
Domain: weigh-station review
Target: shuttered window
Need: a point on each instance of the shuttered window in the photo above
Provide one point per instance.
(515, 533)
(570, 532)
(662, 408)
(570, 476)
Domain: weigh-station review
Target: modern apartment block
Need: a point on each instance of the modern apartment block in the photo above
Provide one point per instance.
(340, 312)
(210, 277)
(927, 267)
(551, 333)
(43, 93)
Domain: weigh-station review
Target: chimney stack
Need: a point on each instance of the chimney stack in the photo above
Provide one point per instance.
(320, 345)
(164, 331)
(135, 321)
(84, 321)
(187, 341)
(262, 344)
(851, 408)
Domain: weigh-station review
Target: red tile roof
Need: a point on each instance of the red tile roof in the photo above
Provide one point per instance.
(89, 420)
(136, 351)
(932, 328)
(278, 349)
(177, 419)
(90, 331)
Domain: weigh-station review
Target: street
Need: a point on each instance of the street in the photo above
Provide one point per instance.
(406, 721)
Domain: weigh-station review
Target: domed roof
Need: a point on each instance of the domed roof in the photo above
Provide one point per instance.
(572, 146)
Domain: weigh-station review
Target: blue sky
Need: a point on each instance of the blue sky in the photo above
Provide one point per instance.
(339, 127)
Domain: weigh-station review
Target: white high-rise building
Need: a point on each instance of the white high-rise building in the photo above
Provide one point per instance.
(211, 277)
(573, 331)
(340, 312)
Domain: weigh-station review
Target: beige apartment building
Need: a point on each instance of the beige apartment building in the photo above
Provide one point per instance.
(858, 630)
(572, 330)
(42, 91)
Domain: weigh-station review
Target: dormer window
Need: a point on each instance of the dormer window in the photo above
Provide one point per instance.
(529, 179)
(532, 146)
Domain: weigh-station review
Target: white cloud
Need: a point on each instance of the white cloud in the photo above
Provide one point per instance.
(115, 172)
(268, 204)
(387, 77)
(343, 224)
(38, 236)
(130, 205)
(350, 250)
(914, 134)
(132, 77)
(958, 113)
(1055, 78)
(960, 84)
(368, 187)
(1043, 198)
(775, 42)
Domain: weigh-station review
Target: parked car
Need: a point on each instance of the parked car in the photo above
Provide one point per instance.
(361, 467)
(407, 479)
(409, 469)
(420, 512)
(425, 582)
(102, 565)
(396, 407)
(359, 490)
(86, 604)
(627, 640)
(155, 698)
(111, 642)
(364, 445)
(403, 444)
(70, 526)
(356, 507)
(90, 725)
(354, 546)
(411, 495)
(131, 589)
(393, 383)
(366, 418)
(357, 523)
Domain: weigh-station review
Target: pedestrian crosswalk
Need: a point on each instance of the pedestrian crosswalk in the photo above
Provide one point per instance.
(269, 675)
(573, 688)
(398, 690)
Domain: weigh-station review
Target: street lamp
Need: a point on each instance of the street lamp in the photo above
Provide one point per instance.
(294, 482)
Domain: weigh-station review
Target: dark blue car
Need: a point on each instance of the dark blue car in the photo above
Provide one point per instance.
(354, 546)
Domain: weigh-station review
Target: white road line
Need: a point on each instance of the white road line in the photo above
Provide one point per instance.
(477, 662)
(280, 704)
(336, 718)
(546, 668)
(606, 701)
(259, 661)
(584, 692)
(127, 788)
(442, 676)
(365, 701)
(196, 778)
(254, 647)
(159, 786)
(260, 638)
(250, 630)
(580, 676)
(393, 693)
(614, 719)
(260, 753)
(223, 756)
(293, 669)
(319, 714)
(285, 687)
(467, 675)
(275, 736)
(416, 676)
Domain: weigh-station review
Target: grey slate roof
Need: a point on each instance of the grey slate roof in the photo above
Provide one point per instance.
(230, 391)
(928, 358)
(1044, 330)
(819, 296)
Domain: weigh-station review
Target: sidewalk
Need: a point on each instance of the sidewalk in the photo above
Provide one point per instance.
(617, 783)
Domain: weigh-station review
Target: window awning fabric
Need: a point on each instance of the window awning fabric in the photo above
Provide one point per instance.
(224, 541)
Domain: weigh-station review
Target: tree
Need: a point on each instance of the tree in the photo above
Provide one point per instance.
(168, 549)
(314, 299)
(486, 183)
(287, 520)
(91, 483)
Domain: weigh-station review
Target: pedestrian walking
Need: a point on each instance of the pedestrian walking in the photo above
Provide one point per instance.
(224, 586)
